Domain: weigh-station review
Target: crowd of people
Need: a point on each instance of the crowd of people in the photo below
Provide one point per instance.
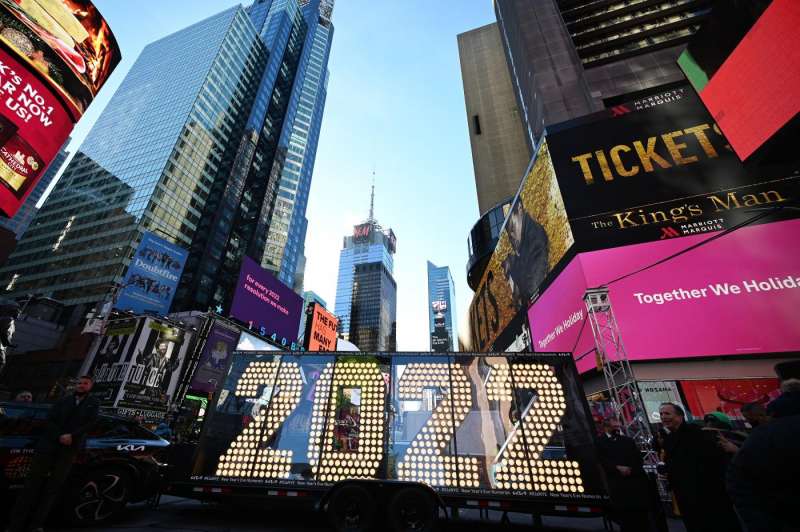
(721, 479)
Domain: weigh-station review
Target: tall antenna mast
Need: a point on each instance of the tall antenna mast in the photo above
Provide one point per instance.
(372, 200)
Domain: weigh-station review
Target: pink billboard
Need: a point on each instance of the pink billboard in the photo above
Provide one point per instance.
(738, 294)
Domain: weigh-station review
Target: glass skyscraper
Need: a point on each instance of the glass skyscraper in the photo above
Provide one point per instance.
(441, 308)
(369, 244)
(209, 142)
(373, 313)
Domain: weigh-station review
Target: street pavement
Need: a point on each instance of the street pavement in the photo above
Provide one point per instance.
(183, 515)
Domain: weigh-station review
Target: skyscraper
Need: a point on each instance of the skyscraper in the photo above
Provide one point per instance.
(20, 222)
(568, 58)
(369, 244)
(210, 142)
(496, 135)
(373, 313)
(308, 298)
(441, 309)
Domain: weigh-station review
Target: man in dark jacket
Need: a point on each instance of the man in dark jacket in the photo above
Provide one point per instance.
(696, 470)
(65, 432)
(763, 478)
(627, 483)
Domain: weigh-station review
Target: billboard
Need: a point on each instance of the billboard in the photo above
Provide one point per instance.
(266, 304)
(152, 277)
(744, 63)
(54, 57)
(321, 329)
(221, 342)
(320, 418)
(736, 295)
(658, 168)
(137, 366)
(440, 336)
(361, 233)
(535, 236)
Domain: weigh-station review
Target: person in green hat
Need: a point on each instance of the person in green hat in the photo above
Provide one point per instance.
(728, 439)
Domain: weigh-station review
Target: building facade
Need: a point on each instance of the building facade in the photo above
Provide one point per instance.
(20, 222)
(200, 144)
(369, 244)
(497, 139)
(308, 298)
(568, 58)
(442, 309)
(373, 313)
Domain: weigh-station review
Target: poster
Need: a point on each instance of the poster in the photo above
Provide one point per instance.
(107, 365)
(321, 329)
(152, 276)
(221, 342)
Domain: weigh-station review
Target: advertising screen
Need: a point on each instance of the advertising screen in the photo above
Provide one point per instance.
(745, 64)
(535, 236)
(736, 295)
(137, 366)
(54, 57)
(152, 276)
(658, 168)
(463, 424)
(221, 342)
(728, 395)
(321, 329)
(266, 304)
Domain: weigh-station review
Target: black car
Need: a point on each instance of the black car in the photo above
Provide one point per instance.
(122, 462)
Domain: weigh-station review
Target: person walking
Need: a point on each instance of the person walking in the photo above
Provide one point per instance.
(763, 476)
(696, 467)
(65, 432)
(627, 484)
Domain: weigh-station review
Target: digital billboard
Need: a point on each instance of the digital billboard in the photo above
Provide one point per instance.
(461, 423)
(321, 329)
(744, 62)
(266, 304)
(535, 236)
(137, 366)
(54, 57)
(152, 276)
(658, 168)
(736, 295)
(222, 340)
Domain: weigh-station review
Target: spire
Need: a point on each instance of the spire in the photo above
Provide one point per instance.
(372, 200)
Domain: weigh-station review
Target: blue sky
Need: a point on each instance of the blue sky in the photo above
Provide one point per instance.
(396, 105)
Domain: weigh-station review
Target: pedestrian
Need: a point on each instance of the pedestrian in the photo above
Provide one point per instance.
(65, 431)
(764, 474)
(627, 484)
(695, 466)
(23, 396)
(755, 414)
(721, 426)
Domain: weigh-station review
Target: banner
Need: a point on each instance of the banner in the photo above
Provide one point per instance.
(54, 57)
(107, 364)
(736, 295)
(152, 276)
(221, 342)
(659, 168)
(321, 329)
(266, 304)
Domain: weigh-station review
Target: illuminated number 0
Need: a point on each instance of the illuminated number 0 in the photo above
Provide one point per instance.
(248, 455)
(514, 469)
(424, 461)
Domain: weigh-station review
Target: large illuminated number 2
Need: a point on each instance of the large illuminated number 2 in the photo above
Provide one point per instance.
(423, 461)
(329, 464)
(515, 470)
(248, 455)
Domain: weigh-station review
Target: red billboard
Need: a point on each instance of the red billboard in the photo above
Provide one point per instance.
(54, 57)
(321, 329)
(736, 295)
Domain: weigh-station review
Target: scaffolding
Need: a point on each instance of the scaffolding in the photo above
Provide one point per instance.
(620, 380)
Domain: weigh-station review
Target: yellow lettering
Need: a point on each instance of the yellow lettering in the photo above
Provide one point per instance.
(603, 162)
(615, 158)
(583, 160)
(702, 138)
(676, 147)
(649, 155)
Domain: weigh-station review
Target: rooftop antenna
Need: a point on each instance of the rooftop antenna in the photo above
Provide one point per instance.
(372, 199)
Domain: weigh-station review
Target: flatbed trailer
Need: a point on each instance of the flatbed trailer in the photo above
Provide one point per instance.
(368, 437)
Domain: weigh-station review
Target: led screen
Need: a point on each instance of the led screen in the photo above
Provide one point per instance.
(736, 295)
(464, 424)
(266, 304)
(54, 57)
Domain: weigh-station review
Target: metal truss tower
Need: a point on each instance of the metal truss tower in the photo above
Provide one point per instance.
(621, 382)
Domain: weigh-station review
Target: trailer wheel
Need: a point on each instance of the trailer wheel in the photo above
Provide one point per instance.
(412, 510)
(351, 509)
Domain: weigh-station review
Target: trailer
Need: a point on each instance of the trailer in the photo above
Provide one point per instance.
(400, 437)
